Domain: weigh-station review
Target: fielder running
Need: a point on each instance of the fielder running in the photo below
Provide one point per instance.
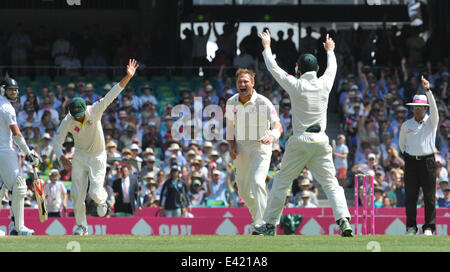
(89, 158)
(9, 163)
(249, 117)
(309, 145)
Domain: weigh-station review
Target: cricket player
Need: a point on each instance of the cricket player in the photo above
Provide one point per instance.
(249, 118)
(309, 145)
(9, 163)
(89, 158)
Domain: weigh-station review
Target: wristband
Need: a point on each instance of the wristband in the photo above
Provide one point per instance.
(275, 133)
(20, 142)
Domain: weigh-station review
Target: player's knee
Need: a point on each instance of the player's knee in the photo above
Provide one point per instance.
(98, 196)
(20, 187)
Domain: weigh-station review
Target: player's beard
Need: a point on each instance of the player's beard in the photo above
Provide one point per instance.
(13, 98)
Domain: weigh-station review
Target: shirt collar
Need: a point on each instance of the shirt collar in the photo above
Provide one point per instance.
(252, 99)
(308, 75)
(423, 120)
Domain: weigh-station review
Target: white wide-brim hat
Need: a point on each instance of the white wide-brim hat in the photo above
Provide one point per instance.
(419, 100)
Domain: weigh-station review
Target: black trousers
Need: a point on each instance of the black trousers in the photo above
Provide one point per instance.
(420, 173)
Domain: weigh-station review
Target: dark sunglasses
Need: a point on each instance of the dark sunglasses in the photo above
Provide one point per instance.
(419, 107)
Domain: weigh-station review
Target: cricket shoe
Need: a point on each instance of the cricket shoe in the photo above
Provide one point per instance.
(411, 231)
(24, 231)
(102, 209)
(2, 233)
(80, 230)
(266, 230)
(254, 232)
(346, 229)
(428, 232)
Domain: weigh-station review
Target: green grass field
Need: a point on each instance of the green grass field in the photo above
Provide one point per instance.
(247, 243)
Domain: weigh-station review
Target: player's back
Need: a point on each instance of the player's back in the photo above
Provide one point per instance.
(7, 118)
(309, 103)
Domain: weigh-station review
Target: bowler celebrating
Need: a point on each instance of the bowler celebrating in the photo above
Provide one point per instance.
(309, 145)
(89, 158)
(249, 118)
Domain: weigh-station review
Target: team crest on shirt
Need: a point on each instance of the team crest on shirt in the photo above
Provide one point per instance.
(77, 129)
(89, 123)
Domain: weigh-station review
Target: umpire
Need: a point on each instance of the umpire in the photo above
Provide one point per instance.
(417, 143)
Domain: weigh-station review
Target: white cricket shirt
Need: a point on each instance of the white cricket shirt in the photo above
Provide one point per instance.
(418, 139)
(7, 118)
(88, 136)
(253, 119)
(308, 94)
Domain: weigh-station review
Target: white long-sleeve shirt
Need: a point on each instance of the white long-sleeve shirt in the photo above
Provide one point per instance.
(88, 136)
(418, 139)
(309, 96)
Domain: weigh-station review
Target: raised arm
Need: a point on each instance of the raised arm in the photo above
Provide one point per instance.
(287, 81)
(100, 106)
(330, 72)
(434, 114)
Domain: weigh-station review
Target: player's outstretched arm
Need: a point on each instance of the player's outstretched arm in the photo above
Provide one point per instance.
(99, 107)
(131, 70)
(330, 72)
(288, 82)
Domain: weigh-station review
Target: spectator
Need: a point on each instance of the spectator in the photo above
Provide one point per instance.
(125, 190)
(20, 44)
(71, 64)
(60, 47)
(306, 200)
(227, 41)
(445, 201)
(244, 60)
(340, 154)
(251, 44)
(199, 43)
(149, 190)
(127, 139)
(56, 195)
(94, 63)
(174, 194)
(217, 185)
(275, 162)
(111, 150)
(305, 185)
(197, 191)
(89, 93)
(443, 184)
(308, 44)
(186, 50)
(147, 96)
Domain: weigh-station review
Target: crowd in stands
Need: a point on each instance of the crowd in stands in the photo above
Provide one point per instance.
(378, 73)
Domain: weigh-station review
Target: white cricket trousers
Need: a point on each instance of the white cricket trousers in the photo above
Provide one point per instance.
(87, 170)
(9, 168)
(318, 158)
(9, 174)
(252, 166)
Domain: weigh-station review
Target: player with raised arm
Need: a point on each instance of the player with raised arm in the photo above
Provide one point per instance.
(89, 158)
(309, 145)
(9, 162)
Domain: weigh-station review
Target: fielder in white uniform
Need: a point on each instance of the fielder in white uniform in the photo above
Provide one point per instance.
(249, 118)
(309, 145)
(89, 158)
(9, 163)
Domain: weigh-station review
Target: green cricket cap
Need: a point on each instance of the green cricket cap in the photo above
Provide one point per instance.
(307, 63)
(77, 107)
